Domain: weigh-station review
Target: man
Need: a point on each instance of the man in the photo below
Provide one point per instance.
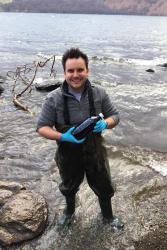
(65, 107)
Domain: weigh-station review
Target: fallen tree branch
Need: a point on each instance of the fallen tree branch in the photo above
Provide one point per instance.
(21, 75)
(21, 105)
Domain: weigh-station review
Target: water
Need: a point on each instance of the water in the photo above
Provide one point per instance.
(120, 49)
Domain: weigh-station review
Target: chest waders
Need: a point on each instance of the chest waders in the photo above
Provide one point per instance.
(76, 160)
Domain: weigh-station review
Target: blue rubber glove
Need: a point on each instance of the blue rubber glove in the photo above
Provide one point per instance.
(67, 136)
(100, 126)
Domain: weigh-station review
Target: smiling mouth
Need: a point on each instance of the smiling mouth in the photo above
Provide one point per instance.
(76, 81)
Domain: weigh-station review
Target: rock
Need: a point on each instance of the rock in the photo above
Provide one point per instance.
(11, 185)
(163, 65)
(2, 80)
(45, 86)
(8, 189)
(4, 196)
(94, 58)
(23, 214)
(1, 89)
(150, 70)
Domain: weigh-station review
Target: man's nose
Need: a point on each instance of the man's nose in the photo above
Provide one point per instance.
(75, 73)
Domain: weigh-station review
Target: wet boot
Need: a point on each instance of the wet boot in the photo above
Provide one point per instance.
(107, 213)
(68, 213)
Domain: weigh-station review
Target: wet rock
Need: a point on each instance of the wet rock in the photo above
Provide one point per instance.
(163, 65)
(23, 214)
(13, 186)
(4, 196)
(150, 70)
(47, 86)
(2, 80)
(1, 89)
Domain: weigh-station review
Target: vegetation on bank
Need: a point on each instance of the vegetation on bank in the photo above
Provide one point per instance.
(128, 7)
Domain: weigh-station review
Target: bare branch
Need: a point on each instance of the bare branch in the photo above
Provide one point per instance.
(26, 74)
(21, 105)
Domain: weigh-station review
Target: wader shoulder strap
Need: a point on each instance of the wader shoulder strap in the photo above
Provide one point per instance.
(66, 111)
(92, 109)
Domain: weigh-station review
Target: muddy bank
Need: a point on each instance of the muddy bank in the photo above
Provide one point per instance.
(140, 201)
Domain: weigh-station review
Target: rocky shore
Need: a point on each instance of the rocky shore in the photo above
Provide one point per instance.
(140, 201)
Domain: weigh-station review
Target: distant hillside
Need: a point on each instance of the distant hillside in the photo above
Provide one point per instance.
(135, 7)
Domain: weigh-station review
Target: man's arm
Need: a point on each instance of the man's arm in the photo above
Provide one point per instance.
(49, 133)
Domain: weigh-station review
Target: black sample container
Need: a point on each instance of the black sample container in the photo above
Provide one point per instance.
(84, 128)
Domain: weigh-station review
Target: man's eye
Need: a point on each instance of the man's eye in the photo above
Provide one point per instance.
(70, 71)
(80, 70)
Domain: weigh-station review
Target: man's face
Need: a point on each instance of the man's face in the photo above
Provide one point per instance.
(76, 73)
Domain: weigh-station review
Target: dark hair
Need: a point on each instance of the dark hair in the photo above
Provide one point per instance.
(74, 53)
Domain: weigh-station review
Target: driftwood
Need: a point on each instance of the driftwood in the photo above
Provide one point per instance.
(21, 76)
(20, 105)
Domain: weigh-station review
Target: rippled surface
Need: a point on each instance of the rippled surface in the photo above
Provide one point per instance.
(120, 49)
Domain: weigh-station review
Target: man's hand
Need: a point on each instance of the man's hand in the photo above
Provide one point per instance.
(67, 136)
(100, 126)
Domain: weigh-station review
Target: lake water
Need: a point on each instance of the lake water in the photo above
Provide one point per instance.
(120, 49)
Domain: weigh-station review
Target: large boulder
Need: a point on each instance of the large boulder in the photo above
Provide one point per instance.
(23, 213)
